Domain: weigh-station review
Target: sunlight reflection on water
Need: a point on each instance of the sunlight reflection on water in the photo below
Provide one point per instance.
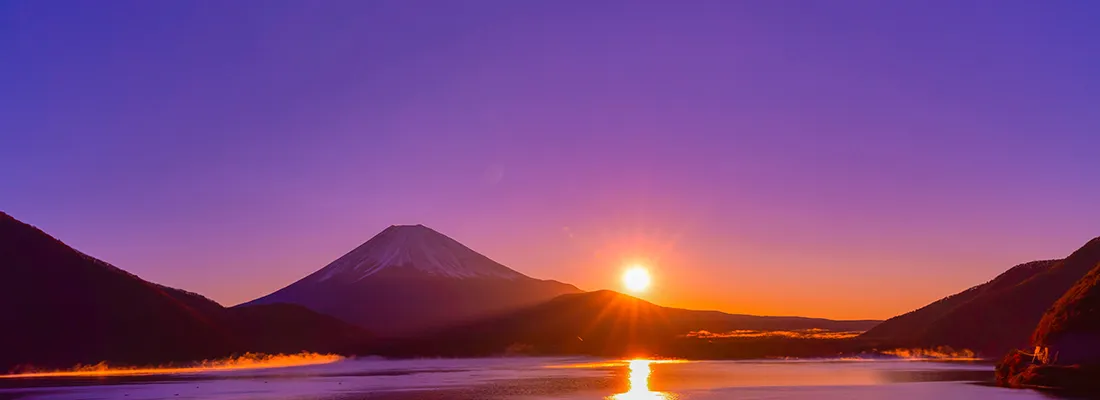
(639, 384)
(544, 379)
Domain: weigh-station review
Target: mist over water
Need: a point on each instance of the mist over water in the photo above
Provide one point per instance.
(248, 361)
(543, 378)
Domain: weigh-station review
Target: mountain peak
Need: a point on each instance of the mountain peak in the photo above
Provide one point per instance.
(414, 249)
(411, 278)
(410, 227)
(411, 230)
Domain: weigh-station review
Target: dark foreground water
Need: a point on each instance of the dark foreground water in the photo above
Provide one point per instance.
(546, 378)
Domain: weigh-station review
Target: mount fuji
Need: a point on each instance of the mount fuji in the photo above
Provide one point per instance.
(410, 278)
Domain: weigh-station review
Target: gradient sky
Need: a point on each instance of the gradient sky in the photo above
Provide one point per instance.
(844, 159)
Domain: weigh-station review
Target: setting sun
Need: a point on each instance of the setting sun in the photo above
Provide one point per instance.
(636, 279)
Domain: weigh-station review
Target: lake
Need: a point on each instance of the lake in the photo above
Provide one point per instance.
(545, 378)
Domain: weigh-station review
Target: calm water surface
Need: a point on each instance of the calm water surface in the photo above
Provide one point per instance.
(545, 378)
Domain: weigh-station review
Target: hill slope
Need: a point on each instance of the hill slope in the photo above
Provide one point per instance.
(290, 328)
(1067, 339)
(910, 327)
(599, 323)
(1071, 328)
(64, 307)
(991, 318)
(411, 278)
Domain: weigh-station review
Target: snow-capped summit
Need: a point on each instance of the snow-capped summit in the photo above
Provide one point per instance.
(409, 278)
(415, 249)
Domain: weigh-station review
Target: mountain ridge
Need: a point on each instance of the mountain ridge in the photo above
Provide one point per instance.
(903, 325)
(1072, 325)
(1066, 340)
(601, 323)
(410, 278)
(991, 318)
(65, 307)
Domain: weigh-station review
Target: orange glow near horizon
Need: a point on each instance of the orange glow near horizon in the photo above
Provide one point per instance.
(813, 333)
(736, 274)
(940, 353)
(247, 361)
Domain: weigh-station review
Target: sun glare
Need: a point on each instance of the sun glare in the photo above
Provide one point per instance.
(636, 279)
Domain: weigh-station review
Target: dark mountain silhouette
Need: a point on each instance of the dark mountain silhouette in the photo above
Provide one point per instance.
(1071, 328)
(911, 327)
(411, 278)
(63, 307)
(991, 318)
(1066, 341)
(290, 328)
(599, 323)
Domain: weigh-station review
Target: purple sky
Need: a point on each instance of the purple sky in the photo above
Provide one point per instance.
(848, 159)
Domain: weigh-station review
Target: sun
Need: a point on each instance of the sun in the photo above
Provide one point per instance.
(636, 278)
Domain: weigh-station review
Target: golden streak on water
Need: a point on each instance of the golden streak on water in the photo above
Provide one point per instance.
(639, 383)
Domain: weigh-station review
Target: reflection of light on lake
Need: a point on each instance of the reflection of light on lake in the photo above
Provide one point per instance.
(639, 383)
